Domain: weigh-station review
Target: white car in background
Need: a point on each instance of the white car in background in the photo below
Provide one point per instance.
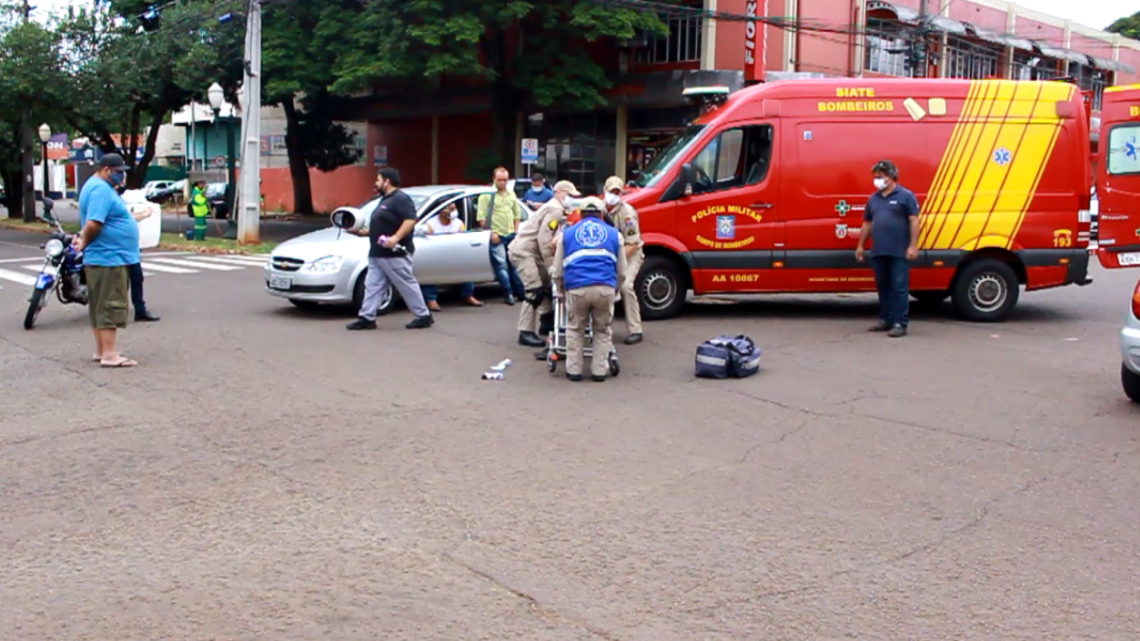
(327, 267)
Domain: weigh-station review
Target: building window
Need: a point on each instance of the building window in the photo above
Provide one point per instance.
(887, 46)
(1094, 80)
(1028, 66)
(683, 44)
(966, 59)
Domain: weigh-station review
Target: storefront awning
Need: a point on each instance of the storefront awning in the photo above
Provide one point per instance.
(1003, 39)
(910, 16)
(1111, 65)
(1061, 54)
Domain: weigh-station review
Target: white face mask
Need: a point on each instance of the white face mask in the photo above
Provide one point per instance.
(612, 199)
(536, 188)
(880, 183)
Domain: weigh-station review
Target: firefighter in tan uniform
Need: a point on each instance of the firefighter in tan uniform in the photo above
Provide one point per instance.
(625, 220)
(531, 252)
(588, 267)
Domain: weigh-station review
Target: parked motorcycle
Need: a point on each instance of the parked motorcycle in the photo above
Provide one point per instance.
(62, 272)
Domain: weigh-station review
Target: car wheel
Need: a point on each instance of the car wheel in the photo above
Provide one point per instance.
(661, 288)
(985, 291)
(1130, 381)
(358, 295)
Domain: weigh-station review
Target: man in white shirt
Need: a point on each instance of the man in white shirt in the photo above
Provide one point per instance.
(447, 223)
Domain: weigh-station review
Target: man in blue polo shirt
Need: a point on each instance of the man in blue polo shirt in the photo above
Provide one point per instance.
(109, 240)
(891, 219)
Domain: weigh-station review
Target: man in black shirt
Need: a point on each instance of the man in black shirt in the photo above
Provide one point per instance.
(390, 255)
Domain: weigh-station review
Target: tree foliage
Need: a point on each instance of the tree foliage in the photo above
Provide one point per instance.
(127, 69)
(549, 64)
(1128, 26)
(29, 58)
(297, 69)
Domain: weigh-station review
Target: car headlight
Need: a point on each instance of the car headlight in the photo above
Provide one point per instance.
(326, 264)
(54, 247)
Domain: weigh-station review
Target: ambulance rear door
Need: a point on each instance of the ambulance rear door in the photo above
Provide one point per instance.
(1118, 178)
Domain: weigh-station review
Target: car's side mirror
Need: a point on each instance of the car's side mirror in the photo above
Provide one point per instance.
(419, 232)
(688, 175)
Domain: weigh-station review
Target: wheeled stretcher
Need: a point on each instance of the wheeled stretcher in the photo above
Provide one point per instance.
(556, 341)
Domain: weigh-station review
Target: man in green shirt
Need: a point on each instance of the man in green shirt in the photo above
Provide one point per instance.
(505, 212)
(199, 208)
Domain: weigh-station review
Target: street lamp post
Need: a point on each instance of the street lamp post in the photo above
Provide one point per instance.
(45, 136)
(217, 97)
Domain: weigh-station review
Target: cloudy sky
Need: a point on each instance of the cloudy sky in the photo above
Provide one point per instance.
(1093, 13)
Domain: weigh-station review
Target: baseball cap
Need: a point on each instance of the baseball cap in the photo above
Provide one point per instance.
(614, 182)
(111, 161)
(592, 203)
(567, 186)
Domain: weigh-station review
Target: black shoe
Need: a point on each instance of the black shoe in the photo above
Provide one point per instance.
(362, 323)
(575, 378)
(881, 326)
(509, 299)
(598, 379)
(421, 322)
(530, 339)
(146, 317)
(898, 331)
(541, 355)
(633, 339)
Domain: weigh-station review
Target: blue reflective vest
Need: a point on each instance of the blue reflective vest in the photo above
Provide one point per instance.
(590, 249)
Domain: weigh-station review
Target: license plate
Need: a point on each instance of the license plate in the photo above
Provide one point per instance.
(283, 284)
(1131, 258)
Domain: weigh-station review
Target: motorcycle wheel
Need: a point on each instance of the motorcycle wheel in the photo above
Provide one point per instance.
(34, 307)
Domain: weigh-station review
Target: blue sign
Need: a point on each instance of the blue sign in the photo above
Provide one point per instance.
(530, 151)
(725, 227)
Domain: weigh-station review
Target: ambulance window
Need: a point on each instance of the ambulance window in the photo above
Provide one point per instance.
(735, 158)
(1122, 150)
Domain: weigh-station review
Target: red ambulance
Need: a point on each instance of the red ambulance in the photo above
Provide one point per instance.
(1118, 178)
(765, 192)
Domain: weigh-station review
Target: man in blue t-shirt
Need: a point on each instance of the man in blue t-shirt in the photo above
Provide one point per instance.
(891, 219)
(539, 193)
(109, 240)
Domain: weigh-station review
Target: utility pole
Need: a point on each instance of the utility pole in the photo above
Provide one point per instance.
(28, 162)
(249, 198)
(922, 57)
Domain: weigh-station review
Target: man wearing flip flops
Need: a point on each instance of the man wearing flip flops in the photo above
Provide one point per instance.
(109, 240)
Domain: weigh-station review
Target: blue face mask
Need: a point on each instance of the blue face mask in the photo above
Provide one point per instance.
(118, 177)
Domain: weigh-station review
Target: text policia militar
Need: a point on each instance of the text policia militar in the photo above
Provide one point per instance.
(856, 105)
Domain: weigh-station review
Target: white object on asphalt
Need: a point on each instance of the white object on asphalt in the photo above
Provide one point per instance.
(504, 364)
(492, 376)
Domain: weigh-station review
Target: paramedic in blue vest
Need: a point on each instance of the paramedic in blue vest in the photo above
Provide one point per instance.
(891, 219)
(589, 263)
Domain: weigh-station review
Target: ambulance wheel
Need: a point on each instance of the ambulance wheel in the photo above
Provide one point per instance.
(985, 291)
(661, 287)
(615, 366)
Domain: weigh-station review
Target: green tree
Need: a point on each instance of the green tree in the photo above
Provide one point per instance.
(297, 70)
(548, 65)
(29, 72)
(1128, 26)
(128, 68)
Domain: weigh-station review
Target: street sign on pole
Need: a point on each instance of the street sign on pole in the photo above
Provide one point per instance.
(530, 151)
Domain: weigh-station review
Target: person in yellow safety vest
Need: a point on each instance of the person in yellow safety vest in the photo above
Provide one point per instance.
(200, 208)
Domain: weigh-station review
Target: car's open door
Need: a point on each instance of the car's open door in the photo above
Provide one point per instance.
(1118, 178)
(451, 259)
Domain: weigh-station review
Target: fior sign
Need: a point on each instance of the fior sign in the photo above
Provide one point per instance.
(755, 57)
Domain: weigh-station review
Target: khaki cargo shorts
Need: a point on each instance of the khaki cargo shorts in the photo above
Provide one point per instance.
(108, 289)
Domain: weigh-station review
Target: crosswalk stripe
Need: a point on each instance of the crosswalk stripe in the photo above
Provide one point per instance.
(165, 269)
(226, 261)
(186, 263)
(17, 277)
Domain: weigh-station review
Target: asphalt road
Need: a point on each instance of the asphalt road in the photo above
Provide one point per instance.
(265, 474)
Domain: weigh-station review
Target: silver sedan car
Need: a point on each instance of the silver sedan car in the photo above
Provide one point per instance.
(326, 267)
(1130, 349)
